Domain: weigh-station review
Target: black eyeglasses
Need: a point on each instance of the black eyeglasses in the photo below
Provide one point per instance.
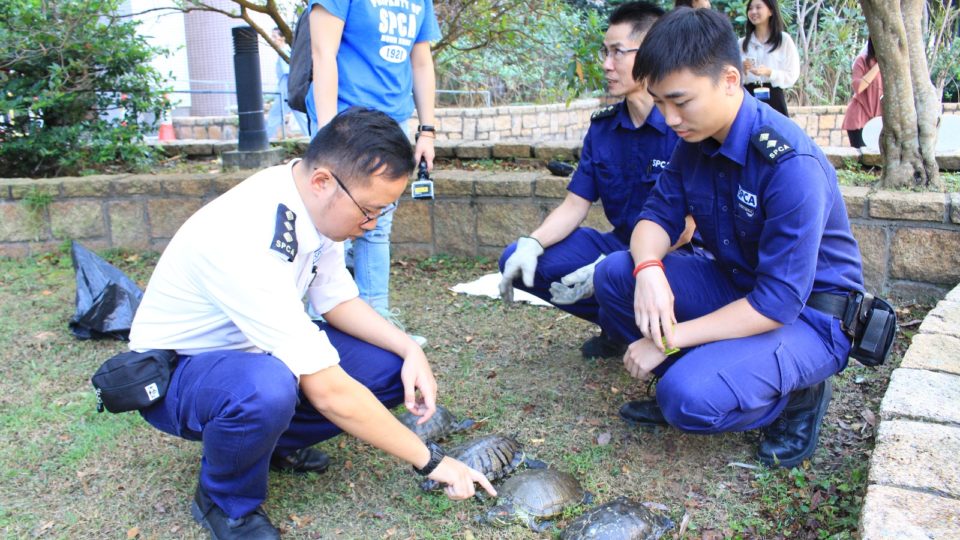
(366, 215)
(617, 53)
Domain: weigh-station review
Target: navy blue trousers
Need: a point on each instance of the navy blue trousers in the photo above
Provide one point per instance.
(730, 385)
(577, 250)
(246, 406)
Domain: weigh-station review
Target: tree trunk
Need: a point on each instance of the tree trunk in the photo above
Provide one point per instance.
(911, 107)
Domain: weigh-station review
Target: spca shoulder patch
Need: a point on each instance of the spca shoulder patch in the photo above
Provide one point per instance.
(605, 112)
(769, 143)
(285, 233)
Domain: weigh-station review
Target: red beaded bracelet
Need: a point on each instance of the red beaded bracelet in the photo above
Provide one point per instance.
(647, 264)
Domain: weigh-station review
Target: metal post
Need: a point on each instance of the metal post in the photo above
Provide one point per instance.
(246, 67)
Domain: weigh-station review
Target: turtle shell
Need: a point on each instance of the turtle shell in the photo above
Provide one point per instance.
(541, 493)
(619, 519)
(495, 456)
(438, 427)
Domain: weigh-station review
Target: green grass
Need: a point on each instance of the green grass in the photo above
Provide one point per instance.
(68, 472)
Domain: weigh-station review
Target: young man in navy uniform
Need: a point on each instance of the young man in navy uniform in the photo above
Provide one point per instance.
(626, 147)
(257, 381)
(753, 352)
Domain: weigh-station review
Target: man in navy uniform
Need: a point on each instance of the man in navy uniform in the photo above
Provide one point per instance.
(257, 381)
(754, 353)
(626, 147)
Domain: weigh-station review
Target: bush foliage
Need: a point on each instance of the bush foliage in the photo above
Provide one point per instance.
(78, 93)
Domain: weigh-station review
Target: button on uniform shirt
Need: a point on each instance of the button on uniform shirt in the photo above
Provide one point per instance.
(767, 205)
(235, 276)
(620, 163)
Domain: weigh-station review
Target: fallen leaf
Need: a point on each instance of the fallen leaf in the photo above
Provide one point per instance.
(46, 292)
(468, 339)
(536, 441)
(870, 418)
(390, 532)
(43, 336)
(492, 374)
(742, 465)
(624, 470)
(614, 390)
(468, 535)
(656, 506)
(529, 408)
(133, 532)
(683, 525)
(348, 465)
(604, 438)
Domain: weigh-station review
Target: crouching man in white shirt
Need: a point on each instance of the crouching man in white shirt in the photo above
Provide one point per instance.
(258, 381)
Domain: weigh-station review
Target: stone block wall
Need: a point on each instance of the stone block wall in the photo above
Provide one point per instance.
(556, 121)
(910, 241)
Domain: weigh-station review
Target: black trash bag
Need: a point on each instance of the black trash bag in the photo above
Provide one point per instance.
(106, 298)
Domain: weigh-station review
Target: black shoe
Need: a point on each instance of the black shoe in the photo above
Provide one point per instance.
(602, 347)
(793, 436)
(253, 526)
(643, 414)
(302, 461)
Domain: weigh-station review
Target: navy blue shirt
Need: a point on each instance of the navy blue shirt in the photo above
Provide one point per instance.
(620, 163)
(767, 205)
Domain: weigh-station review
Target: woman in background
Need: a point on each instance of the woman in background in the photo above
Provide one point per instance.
(867, 91)
(770, 59)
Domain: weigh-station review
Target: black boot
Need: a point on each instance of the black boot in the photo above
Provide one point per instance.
(643, 413)
(253, 526)
(793, 436)
(302, 461)
(602, 347)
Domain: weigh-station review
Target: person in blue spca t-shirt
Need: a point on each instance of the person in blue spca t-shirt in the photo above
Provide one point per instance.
(375, 53)
(757, 326)
(626, 147)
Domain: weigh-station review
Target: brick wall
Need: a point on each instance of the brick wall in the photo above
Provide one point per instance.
(910, 241)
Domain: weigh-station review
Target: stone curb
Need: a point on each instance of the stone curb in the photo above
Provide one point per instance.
(914, 481)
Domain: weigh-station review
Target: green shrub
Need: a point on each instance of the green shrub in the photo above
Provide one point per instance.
(78, 93)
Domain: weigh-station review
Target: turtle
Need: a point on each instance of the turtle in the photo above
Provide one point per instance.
(440, 426)
(532, 495)
(495, 456)
(619, 519)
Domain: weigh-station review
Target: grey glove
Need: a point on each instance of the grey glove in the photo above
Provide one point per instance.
(522, 262)
(574, 286)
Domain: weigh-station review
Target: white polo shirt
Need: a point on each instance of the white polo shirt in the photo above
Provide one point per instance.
(235, 276)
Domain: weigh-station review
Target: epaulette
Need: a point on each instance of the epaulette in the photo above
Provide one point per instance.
(769, 143)
(605, 112)
(285, 233)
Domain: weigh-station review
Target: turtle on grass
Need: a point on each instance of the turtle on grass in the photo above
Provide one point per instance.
(532, 496)
(496, 456)
(619, 519)
(440, 426)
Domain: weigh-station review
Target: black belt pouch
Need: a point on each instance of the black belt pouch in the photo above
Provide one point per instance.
(133, 380)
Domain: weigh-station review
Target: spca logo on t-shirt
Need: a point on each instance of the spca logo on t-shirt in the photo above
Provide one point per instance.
(398, 28)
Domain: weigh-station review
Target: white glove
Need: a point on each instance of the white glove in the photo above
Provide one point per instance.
(523, 261)
(574, 286)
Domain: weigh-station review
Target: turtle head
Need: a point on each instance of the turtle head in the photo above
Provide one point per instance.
(500, 516)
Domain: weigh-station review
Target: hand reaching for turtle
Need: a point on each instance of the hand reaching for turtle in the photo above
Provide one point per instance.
(458, 479)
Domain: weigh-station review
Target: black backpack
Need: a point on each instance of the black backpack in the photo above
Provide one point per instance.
(301, 65)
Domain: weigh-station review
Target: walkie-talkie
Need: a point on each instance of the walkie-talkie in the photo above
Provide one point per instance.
(422, 187)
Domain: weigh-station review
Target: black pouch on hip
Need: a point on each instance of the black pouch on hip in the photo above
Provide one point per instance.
(875, 331)
(133, 380)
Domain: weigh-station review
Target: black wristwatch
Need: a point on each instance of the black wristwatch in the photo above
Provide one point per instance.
(436, 455)
(426, 127)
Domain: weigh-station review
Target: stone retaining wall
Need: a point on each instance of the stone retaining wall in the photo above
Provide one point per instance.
(910, 241)
(914, 484)
(555, 121)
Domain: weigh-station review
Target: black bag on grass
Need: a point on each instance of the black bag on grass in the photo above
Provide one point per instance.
(106, 298)
(130, 381)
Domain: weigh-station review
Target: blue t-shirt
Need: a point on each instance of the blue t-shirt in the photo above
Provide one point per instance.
(620, 163)
(768, 206)
(373, 62)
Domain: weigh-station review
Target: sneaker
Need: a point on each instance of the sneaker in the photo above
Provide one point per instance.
(393, 317)
(255, 525)
(302, 461)
(793, 436)
(602, 347)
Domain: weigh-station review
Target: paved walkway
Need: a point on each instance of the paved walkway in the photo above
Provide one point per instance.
(914, 484)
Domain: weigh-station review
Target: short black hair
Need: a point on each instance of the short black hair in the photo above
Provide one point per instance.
(359, 143)
(683, 3)
(776, 26)
(640, 15)
(701, 40)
